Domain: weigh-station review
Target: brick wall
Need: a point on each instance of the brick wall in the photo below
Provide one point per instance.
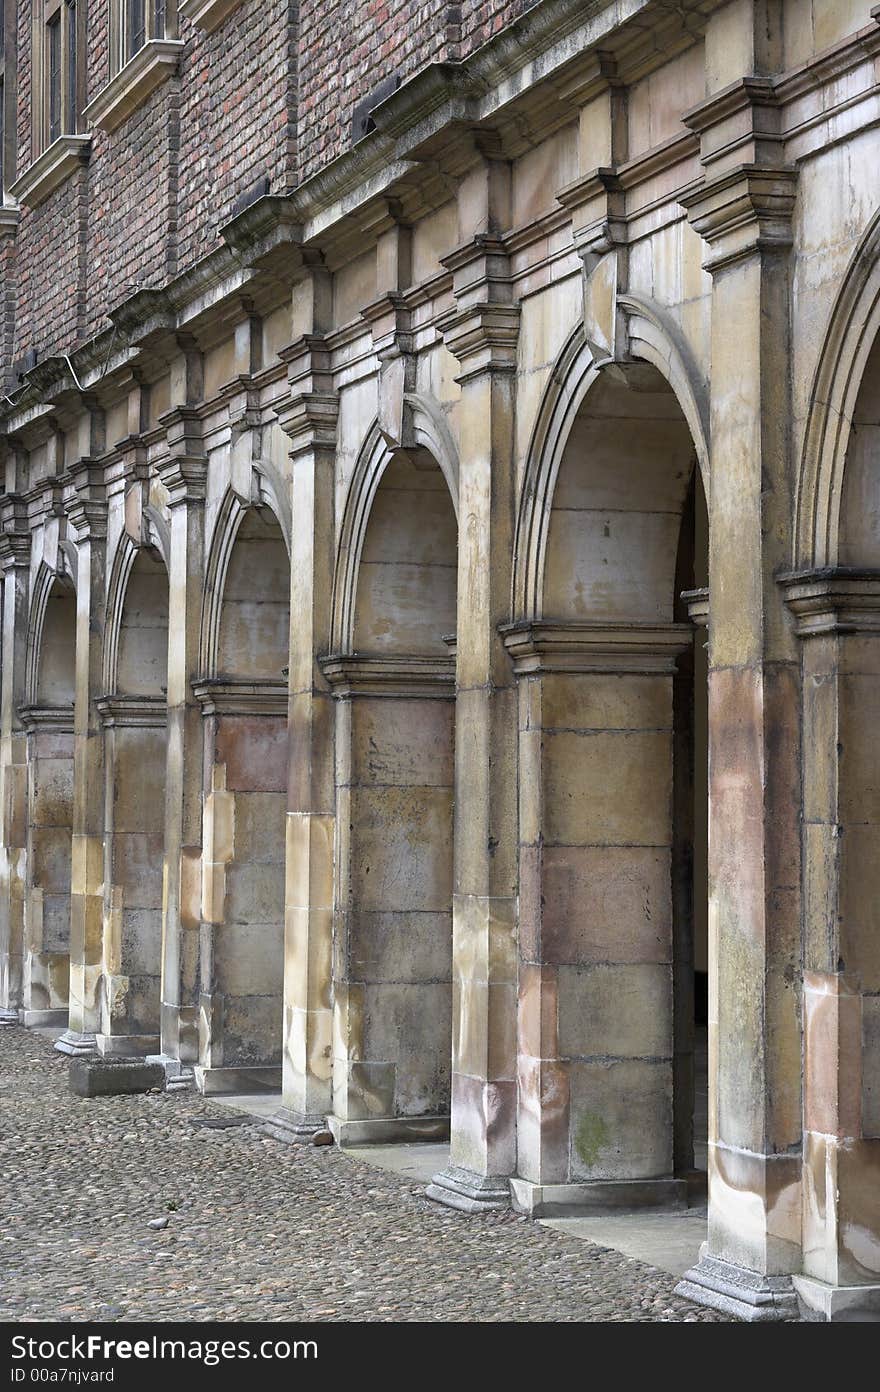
(348, 49)
(480, 19)
(158, 189)
(237, 116)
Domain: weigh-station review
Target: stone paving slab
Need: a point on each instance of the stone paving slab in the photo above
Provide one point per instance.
(257, 1230)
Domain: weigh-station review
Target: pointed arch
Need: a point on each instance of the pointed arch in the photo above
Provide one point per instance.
(233, 510)
(431, 434)
(124, 558)
(853, 328)
(46, 578)
(652, 339)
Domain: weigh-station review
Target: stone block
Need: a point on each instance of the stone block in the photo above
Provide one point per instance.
(608, 789)
(621, 1119)
(595, 701)
(101, 1078)
(618, 1011)
(606, 904)
(403, 742)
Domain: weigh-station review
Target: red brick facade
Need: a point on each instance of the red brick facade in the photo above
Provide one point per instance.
(268, 95)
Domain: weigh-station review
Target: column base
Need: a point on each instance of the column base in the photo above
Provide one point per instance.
(388, 1130)
(597, 1198)
(77, 1045)
(293, 1128)
(736, 1291)
(8, 1017)
(44, 1019)
(179, 1077)
(211, 1081)
(837, 1304)
(126, 1046)
(459, 1188)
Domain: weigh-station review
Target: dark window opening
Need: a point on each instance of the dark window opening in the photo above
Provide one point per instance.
(54, 28)
(136, 36)
(71, 65)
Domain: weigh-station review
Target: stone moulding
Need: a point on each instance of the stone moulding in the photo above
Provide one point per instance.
(134, 712)
(63, 157)
(361, 675)
(219, 696)
(148, 69)
(545, 646)
(838, 600)
(208, 14)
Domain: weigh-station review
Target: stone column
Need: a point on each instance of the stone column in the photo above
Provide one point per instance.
(596, 921)
(15, 553)
(47, 907)
(743, 211)
(309, 418)
(86, 508)
(482, 334)
(184, 474)
(392, 921)
(838, 620)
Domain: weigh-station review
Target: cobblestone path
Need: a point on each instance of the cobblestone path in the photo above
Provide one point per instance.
(257, 1230)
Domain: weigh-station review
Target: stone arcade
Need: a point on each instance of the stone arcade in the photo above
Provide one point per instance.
(441, 593)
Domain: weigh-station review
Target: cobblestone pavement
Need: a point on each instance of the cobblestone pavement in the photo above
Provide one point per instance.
(258, 1230)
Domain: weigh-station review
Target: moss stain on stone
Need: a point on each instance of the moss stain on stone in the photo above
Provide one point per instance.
(590, 1137)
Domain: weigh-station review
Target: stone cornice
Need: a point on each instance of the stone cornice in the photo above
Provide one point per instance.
(232, 696)
(741, 211)
(62, 158)
(547, 646)
(833, 601)
(358, 674)
(133, 84)
(36, 718)
(133, 712)
(207, 14)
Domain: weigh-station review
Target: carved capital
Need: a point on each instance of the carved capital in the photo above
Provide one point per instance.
(184, 471)
(15, 537)
(86, 505)
(483, 337)
(743, 211)
(311, 411)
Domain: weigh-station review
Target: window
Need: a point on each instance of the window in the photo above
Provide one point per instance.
(55, 96)
(53, 30)
(135, 22)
